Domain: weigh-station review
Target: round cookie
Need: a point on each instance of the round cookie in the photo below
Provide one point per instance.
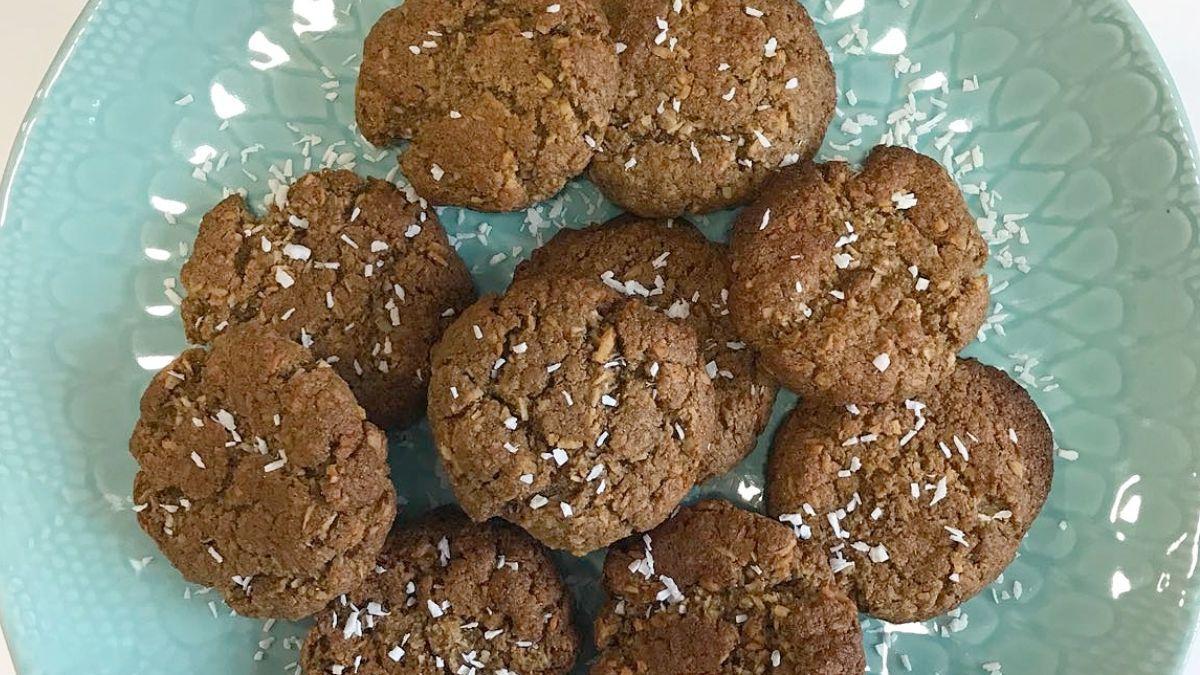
(504, 100)
(859, 288)
(931, 497)
(568, 409)
(260, 476)
(713, 98)
(675, 269)
(720, 590)
(450, 596)
(351, 268)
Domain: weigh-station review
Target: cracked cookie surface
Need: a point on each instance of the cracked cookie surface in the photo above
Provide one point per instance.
(713, 98)
(577, 413)
(260, 476)
(671, 266)
(352, 268)
(859, 287)
(717, 589)
(448, 595)
(504, 100)
(919, 504)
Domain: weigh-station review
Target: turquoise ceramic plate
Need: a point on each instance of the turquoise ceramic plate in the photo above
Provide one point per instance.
(1056, 115)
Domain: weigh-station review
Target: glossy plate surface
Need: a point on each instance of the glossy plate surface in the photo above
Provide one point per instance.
(1085, 180)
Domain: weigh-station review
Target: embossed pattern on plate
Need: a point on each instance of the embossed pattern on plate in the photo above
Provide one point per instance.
(155, 106)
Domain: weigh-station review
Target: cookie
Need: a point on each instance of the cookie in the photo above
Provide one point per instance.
(351, 268)
(720, 590)
(260, 476)
(859, 287)
(504, 100)
(575, 412)
(676, 270)
(450, 596)
(919, 504)
(714, 96)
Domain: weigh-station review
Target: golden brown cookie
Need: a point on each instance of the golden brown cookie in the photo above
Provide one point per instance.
(919, 504)
(714, 96)
(859, 287)
(575, 412)
(450, 596)
(504, 100)
(260, 476)
(676, 270)
(717, 589)
(348, 267)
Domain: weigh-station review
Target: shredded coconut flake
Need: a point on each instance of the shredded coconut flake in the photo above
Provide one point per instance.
(904, 200)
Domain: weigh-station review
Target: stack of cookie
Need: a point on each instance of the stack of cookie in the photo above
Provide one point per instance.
(917, 471)
(627, 362)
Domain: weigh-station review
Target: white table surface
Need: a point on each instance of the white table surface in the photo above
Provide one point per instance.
(30, 33)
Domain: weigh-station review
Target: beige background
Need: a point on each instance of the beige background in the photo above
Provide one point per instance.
(31, 31)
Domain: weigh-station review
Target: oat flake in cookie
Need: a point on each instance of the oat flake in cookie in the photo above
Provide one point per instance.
(504, 100)
(720, 590)
(449, 596)
(260, 476)
(714, 96)
(352, 268)
(918, 504)
(859, 287)
(573, 411)
(676, 270)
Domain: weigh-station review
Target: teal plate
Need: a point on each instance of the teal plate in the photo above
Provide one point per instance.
(1085, 183)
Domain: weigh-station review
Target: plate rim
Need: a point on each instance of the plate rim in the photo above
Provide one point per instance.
(29, 119)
